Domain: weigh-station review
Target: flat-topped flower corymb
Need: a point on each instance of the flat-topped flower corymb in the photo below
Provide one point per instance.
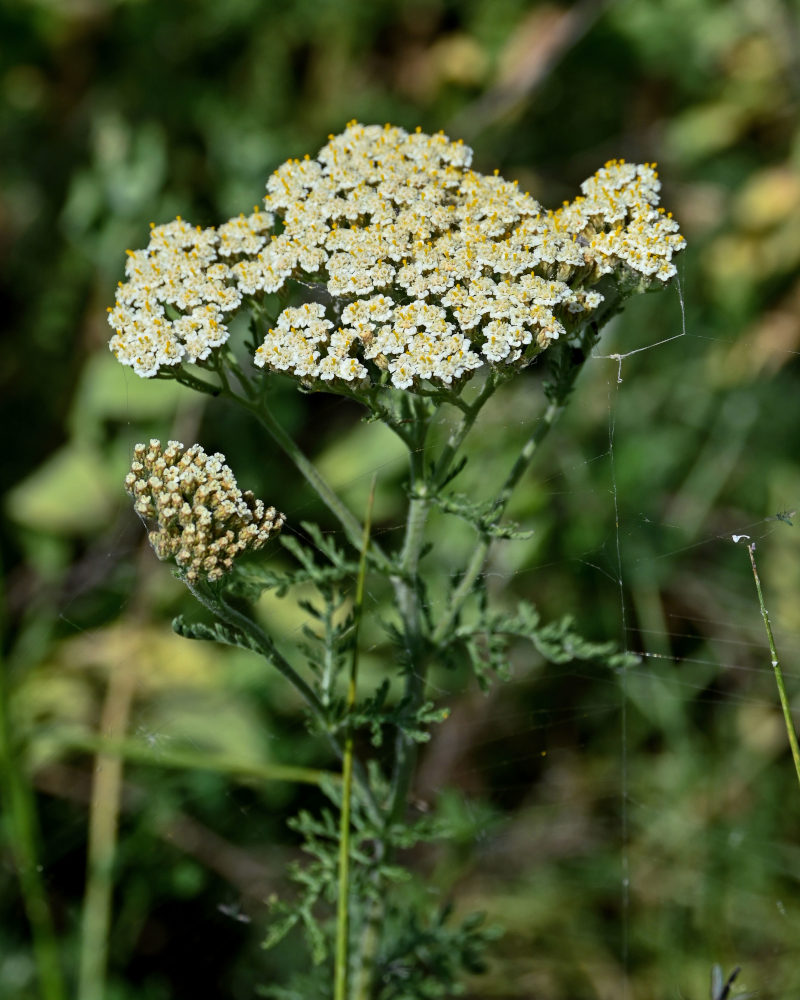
(398, 264)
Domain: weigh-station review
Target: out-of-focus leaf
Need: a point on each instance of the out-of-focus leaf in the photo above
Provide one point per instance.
(183, 694)
(705, 129)
(768, 197)
(46, 705)
(125, 177)
(163, 660)
(350, 461)
(68, 494)
(108, 391)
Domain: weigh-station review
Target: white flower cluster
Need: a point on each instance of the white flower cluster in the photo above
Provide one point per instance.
(180, 291)
(431, 268)
(196, 513)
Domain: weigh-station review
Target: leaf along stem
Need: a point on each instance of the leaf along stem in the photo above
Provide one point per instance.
(260, 642)
(520, 466)
(136, 752)
(23, 835)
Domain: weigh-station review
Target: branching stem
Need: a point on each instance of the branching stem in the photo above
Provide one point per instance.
(469, 413)
(478, 558)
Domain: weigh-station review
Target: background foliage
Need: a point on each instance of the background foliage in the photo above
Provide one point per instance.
(113, 114)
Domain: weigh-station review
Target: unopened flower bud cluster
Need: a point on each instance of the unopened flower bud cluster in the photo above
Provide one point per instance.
(427, 269)
(195, 512)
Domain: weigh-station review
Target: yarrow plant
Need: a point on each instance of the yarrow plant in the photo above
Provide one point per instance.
(387, 270)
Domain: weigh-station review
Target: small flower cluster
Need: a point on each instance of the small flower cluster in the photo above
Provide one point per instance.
(431, 269)
(180, 291)
(196, 513)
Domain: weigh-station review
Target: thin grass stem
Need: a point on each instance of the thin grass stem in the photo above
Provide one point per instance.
(342, 960)
(776, 666)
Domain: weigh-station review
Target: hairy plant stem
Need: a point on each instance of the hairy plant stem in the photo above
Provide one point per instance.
(776, 666)
(407, 588)
(193, 382)
(407, 591)
(22, 831)
(405, 582)
(412, 424)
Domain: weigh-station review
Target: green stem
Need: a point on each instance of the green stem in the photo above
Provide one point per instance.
(22, 831)
(261, 643)
(469, 414)
(405, 581)
(523, 460)
(406, 585)
(353, 529)
(407, 592)
(776, 666)
(346, 518)
(193, 382)
(343, 905)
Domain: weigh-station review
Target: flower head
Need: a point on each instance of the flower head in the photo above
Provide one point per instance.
(424, 269)
(195, 512)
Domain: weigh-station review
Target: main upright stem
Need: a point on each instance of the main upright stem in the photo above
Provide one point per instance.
(407, 590)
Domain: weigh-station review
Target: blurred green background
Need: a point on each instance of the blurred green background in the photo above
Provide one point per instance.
(113, 114)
